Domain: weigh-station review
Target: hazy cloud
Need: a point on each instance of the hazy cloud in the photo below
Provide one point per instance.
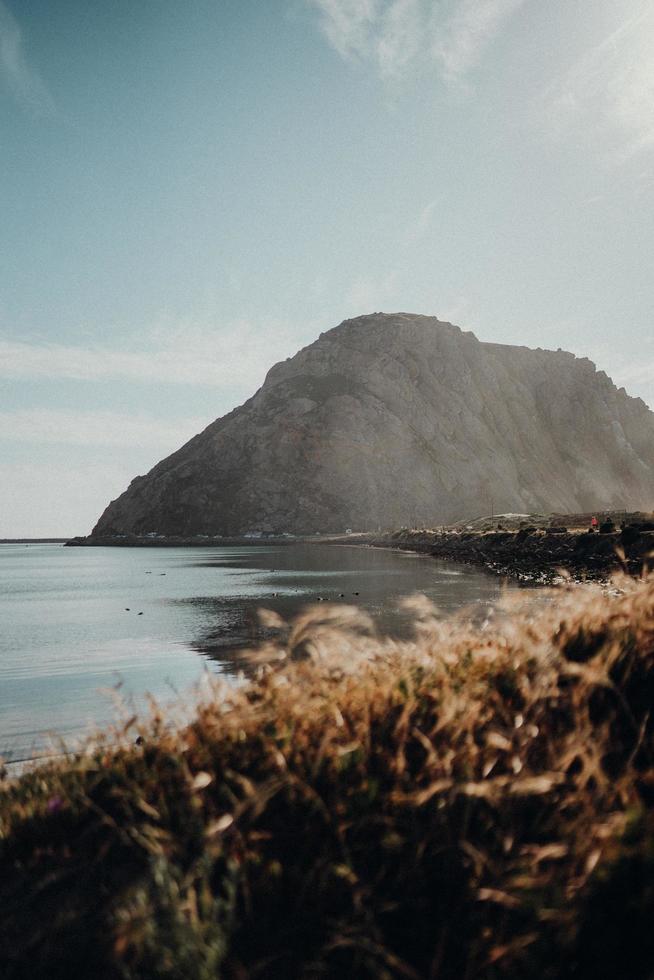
(62, 498)
(21, 77)
(394, 34)
(51, 426)
(174, 352)
(609, 91)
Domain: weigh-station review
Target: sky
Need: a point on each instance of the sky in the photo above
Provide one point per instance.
(190, 192)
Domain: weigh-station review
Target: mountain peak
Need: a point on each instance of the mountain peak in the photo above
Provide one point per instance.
(395, 418)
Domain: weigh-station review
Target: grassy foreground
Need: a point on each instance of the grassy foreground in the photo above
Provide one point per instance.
(477, 802)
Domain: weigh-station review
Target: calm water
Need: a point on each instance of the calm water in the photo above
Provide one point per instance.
(71, 629)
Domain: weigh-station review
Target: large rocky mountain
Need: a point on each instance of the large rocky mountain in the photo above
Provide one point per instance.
(393, 419)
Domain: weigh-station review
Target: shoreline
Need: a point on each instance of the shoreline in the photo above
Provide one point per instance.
(34, 540)
(178, 541)
(535, 556)
(532, 549)
(549, 554)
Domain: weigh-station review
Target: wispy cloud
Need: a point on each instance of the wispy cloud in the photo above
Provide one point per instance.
(55, 427)
(21, 77)
(609, 92)
(460, 42)
(58, 361)
(175, 352)
(393, 35)
(348, 25)
(400, 36)
(419, 227)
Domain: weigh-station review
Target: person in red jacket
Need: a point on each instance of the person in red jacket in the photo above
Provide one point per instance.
(593, 523)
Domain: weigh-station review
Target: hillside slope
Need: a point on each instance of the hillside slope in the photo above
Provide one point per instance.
(394, 419)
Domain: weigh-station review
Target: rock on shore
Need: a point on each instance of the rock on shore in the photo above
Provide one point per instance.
(536, 554)
(388, 420)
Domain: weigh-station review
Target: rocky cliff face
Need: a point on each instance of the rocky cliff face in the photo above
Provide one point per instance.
(393, 419)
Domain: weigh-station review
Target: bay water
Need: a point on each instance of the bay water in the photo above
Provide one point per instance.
(78, 625)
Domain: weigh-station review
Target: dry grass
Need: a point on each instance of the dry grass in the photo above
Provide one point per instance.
(476, 802)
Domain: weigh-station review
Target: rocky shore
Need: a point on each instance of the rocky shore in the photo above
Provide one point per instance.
(539, 555)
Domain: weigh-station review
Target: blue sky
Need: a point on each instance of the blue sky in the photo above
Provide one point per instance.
(192, 191)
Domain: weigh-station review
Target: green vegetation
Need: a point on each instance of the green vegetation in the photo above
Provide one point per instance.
(475, 802)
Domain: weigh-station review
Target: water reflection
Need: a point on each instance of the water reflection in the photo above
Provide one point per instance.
(286, 580)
